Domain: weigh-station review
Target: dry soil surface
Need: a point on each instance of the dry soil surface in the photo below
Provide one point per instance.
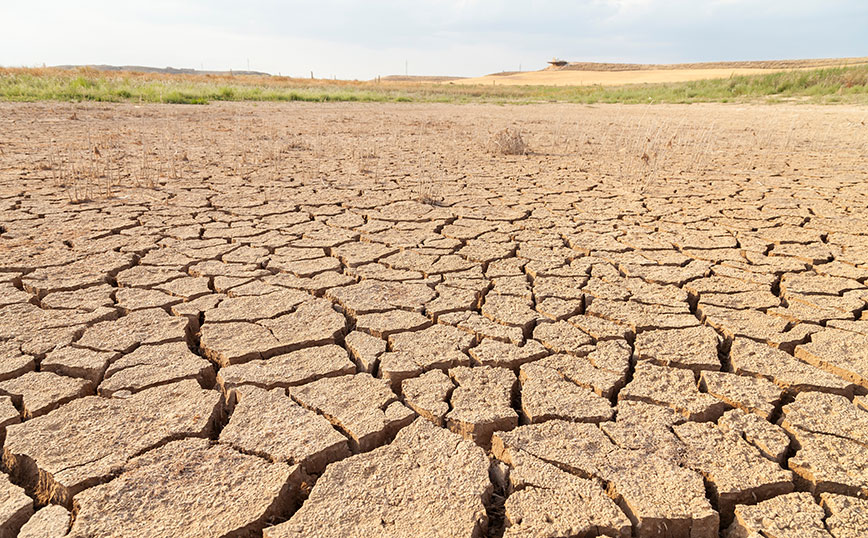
(351, 320)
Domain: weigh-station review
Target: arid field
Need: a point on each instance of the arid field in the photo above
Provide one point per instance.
(614, 74)
(433, 320)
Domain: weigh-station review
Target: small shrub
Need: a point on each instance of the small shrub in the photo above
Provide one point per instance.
(508, 142)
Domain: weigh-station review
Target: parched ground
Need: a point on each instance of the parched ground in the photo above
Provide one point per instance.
(354, 320)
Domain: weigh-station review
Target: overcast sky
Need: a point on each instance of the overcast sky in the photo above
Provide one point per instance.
(365, 38)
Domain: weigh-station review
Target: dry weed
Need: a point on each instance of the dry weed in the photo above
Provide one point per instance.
(508, 141)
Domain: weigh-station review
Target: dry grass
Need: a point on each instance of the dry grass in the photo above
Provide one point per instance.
(833, 84)
(143, 155)
(508, 141)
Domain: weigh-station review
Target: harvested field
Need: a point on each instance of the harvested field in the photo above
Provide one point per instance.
(615, 74)
(290, 319)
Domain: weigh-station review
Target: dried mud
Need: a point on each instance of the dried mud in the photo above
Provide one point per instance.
(350, 320)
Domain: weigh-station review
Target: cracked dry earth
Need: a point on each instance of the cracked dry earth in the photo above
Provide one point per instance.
(521, 346)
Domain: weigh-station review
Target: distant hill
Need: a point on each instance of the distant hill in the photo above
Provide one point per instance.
(417, 78)
(162, 70)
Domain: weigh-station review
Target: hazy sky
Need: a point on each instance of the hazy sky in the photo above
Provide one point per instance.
(365, 38)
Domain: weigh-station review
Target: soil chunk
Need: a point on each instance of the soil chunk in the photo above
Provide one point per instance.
(438, 346)
(293, 368)
(752, 394)
(563, 337)
(50, 522)
(658, 496)
(840, 352)
(674, 388)
(15, 507)
(225, 492)
(761, 360)
(365, 350)
(362, 407)
(548, 394)
(794, 515)
(771, 440)
(149, 366)
(736, 470)
(313, 323)
(694, 348)
(427, 481)
(546, 501)
(84, 442)
(847, 517)
(428, 395)
(492, 352)
(482, 402)
(80, 362)
(37, 393)
(270, 424)
(826, 414)
(152, 326)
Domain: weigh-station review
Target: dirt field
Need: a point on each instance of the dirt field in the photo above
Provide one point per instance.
(613, 74)
(364, 320)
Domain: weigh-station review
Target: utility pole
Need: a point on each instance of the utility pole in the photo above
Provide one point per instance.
(406, 71)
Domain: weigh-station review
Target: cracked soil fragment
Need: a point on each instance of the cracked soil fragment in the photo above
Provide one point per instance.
(188, 487)
(84, 442)
(427, 482)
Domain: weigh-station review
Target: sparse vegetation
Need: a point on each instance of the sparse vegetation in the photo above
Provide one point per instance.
(643, 147)
(829, 85)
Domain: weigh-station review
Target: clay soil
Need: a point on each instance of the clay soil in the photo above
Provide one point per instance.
(366, 320)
